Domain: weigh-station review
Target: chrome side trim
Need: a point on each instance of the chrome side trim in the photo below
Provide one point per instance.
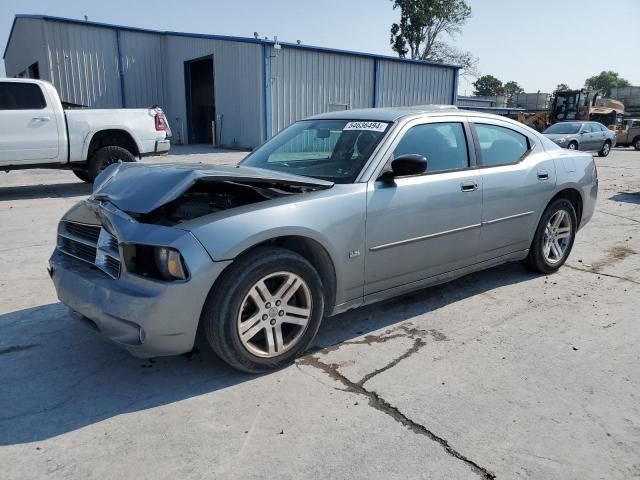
(510, 217)
(424, 237)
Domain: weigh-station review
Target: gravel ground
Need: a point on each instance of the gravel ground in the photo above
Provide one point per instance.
(501, 373)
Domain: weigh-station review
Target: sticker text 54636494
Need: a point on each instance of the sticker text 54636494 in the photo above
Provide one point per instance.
(371, 126)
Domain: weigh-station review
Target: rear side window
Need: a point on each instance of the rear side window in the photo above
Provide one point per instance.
(21, 96)
(444, 145)
(500, 145)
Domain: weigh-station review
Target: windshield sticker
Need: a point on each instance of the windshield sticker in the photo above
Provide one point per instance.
(370, 126)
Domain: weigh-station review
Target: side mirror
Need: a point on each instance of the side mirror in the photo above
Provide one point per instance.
(406, 165)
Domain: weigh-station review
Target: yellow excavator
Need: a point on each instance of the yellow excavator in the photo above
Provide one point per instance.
(583, 104)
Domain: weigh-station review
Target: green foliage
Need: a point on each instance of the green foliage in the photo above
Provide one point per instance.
(605, 81)
(488, 86)
(561, 87)
(422, 23)
(512, 88)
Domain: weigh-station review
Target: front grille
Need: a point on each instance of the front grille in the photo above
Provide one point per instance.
(91, 244)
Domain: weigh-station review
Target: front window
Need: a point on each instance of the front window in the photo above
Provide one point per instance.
(333, 150)
(568, 128)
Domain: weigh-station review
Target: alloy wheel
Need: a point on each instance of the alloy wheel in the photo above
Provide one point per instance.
(274, 314)
(572, 146)
(557, 237)
(605, 149)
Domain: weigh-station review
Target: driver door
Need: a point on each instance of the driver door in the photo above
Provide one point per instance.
(424, 225)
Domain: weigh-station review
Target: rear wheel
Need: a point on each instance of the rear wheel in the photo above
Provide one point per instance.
(572, 146)
(554, 238)
(605, 150)
(264, 310)
(636, 143)
(106, 156)
(83, 175)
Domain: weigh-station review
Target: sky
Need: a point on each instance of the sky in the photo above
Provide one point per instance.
(537, 43)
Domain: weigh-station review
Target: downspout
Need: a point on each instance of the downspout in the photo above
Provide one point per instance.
(454, 95)
(266, 81)
(123, 96)
(374, 100)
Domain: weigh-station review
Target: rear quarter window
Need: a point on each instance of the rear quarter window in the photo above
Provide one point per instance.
(500, 145)
(21, 96)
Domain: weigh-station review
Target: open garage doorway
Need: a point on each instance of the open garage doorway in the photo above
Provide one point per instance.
(198, 75)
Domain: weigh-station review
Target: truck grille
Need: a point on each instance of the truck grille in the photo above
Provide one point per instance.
(91, 244)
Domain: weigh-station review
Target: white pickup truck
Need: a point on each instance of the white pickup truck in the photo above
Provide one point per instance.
(36, 131)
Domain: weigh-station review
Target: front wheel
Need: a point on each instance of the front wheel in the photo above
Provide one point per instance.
(83, 175)
(554, 238)
(106, 156)
(264, 310)
(605, 150)
(636, 144)
(573, 146)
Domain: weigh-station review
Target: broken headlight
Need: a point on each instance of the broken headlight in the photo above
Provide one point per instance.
(162, 263)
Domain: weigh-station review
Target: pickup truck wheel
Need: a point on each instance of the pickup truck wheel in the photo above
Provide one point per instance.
(107, 156)
(553, 240)
(264, 310)
(605, 150)
(83, 175)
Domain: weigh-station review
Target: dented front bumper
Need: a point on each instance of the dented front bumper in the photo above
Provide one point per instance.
(148, 317)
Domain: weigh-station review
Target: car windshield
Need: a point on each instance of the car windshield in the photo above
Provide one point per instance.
(333, 150)
(564, 128)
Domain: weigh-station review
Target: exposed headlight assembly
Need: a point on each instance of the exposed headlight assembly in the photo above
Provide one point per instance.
(161, 263)
(561, 140)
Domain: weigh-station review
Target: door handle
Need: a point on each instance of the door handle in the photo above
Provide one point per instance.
(468, 185)
(41, 119)
(543, 174)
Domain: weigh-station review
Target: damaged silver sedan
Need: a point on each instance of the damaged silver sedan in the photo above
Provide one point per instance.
(335, 212)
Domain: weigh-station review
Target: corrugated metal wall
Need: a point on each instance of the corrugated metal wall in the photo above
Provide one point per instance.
(306, 82)
(26, 48)
(401, 84)
(237, 83)
(83, 64)
(143, 62)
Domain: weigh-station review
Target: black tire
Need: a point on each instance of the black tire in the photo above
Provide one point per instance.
(536, 261)
(636, 143)
(605, 150)
(106, 156)
(573, 145)
(83, 175)
(218, 322)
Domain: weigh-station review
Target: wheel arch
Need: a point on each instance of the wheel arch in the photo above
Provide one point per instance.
(574, 196)
(312, 251)
(116, 137)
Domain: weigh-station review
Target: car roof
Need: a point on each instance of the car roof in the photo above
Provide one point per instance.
(386, 114)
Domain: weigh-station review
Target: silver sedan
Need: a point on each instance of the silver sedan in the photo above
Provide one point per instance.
(337, 211)
(590, 136)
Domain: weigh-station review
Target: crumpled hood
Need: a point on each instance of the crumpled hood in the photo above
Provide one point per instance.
(141, 188)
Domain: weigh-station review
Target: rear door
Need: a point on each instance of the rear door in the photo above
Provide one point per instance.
(517, 179)
(28, 126)
(423, 225)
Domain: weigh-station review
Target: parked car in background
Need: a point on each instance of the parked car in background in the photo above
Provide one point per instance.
(590, 136)
(37, 132)
(629, 134)
(337, 211)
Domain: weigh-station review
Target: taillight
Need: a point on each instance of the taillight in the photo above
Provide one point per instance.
(161, 121)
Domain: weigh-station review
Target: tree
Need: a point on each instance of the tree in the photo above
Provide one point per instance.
(510, 90)
(422, 23)
(605, 81)
(561, 87)
(488, 86)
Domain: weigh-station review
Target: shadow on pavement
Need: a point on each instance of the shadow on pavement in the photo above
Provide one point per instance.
(57, 376)
(51, 190)
(628, 197)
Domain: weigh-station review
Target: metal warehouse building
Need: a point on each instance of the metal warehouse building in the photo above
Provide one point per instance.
(250, 88)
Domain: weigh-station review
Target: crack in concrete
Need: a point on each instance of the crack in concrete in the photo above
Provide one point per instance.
(593, 272)
(619, 216)
(380, 404)
(418, 343)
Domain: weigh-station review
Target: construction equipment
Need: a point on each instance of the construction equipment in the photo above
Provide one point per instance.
(585, 104)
